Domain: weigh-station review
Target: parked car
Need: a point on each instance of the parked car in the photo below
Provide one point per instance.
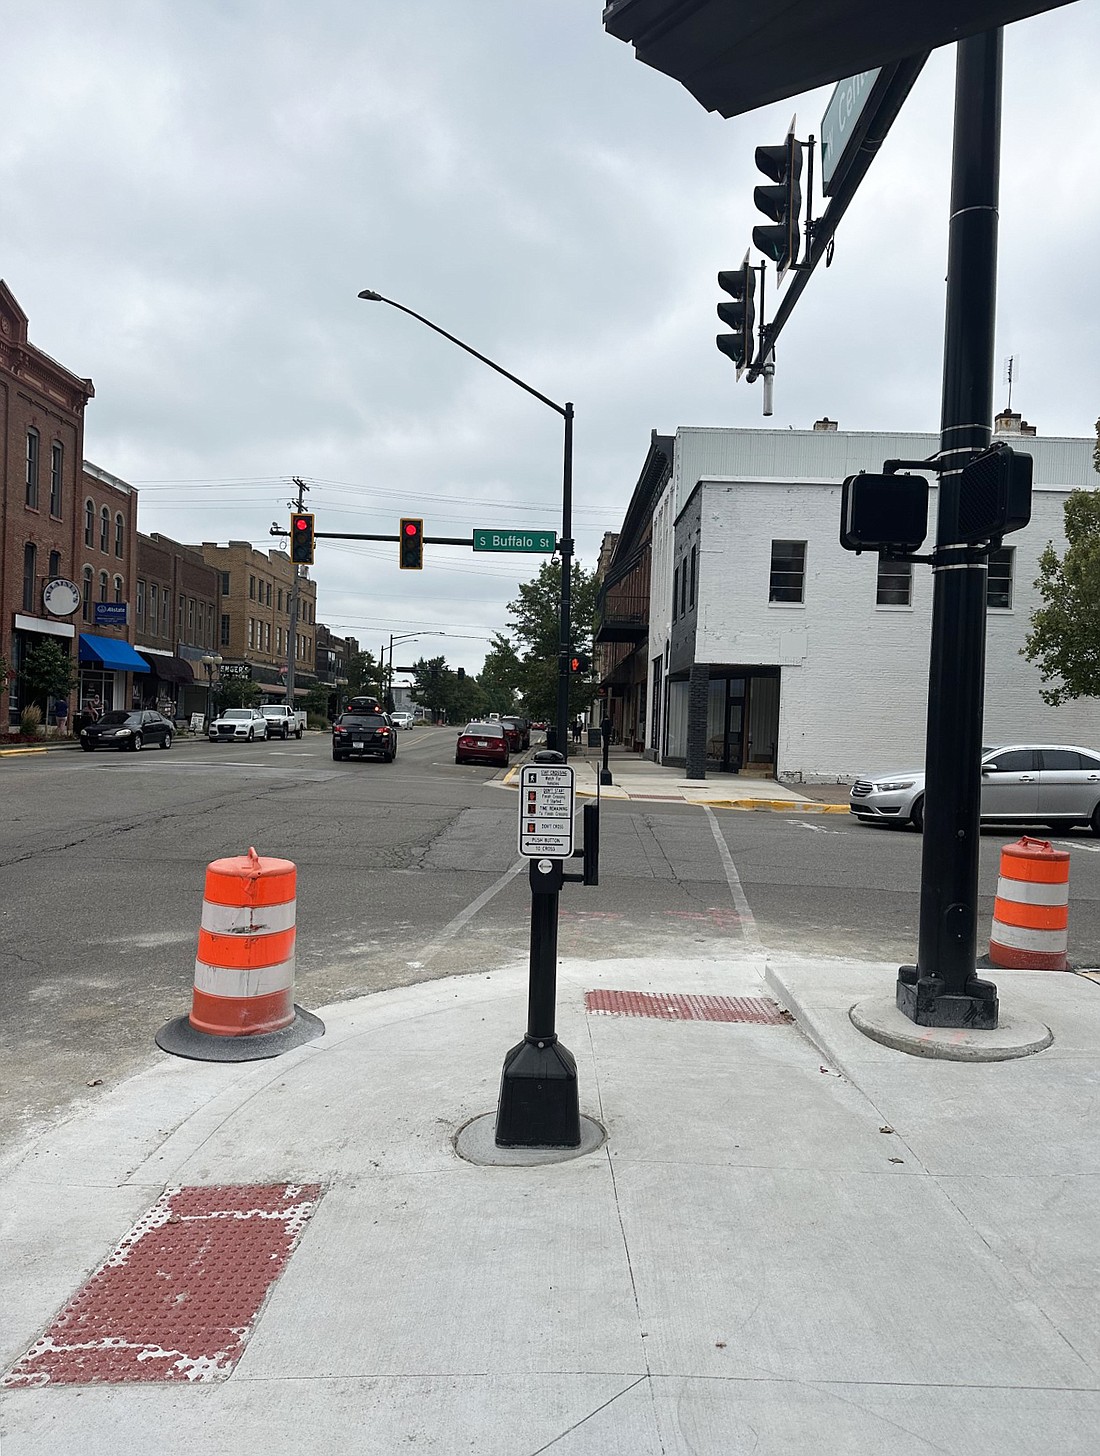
(119, 729)
(518, 731)
(238, 723)
(363, 733)
(283, 721)
(1022, 783)
(483, 743)
(401, 719)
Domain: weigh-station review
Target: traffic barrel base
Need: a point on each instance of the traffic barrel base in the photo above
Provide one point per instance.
(242, 1006)
(1031, 912)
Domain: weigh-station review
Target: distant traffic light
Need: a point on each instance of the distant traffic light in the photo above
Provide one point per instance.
(580, 662)
(740, 315)
(301, 538)
(781, 202)
(410, 551)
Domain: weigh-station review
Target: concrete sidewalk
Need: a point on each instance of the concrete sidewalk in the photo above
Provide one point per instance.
(634, 777)
(792, 1240)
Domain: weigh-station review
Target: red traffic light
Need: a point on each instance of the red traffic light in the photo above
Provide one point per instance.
(301, 538)
(410, 549)
(410, 528)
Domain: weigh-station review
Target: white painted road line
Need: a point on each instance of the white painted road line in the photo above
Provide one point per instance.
(451, 929)
(741, 904)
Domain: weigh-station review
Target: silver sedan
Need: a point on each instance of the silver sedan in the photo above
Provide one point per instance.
(1022, 783)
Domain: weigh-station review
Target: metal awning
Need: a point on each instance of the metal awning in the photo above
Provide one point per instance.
(110, 652)
(171, 669)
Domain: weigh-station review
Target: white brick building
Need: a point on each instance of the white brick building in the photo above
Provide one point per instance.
(807, 661)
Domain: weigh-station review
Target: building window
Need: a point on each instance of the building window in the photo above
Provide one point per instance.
(103, 585)
(683, 587)
(86, 599)
(280, 599)
(191, 619)
(118, 588)
(55, 564)
(165, 613)
(154, 606)
(675, 591)
(251, 588)
(140, 607)
(105, 530)
(895, 583)
(89, 523)
(225, 630)
(32, 468)
(30, 568)
(120, 533)
(57, 462)
(251, 631)
(998, 586)
(179, 619)
(788, 572)
(267, 636)
(224, 576)
(694, 564)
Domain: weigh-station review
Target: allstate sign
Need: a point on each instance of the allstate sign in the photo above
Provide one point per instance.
(112, 614)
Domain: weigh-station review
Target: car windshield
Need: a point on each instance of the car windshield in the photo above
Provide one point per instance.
(364, 720)
(484, 730)
(237, 715)
(115, 719)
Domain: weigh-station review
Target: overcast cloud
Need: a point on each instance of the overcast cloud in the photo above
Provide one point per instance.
(194, 194)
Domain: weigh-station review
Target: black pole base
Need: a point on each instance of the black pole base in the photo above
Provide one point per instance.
(924, 1000)
(605, 775)
(538, 1105)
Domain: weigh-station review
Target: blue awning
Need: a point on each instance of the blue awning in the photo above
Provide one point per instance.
(111, 652)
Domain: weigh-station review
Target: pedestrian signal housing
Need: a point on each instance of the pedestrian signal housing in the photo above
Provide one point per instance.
(884, 513)
(580, 662)
(410, 550)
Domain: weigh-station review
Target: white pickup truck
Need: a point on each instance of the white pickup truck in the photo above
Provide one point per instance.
(283, 721)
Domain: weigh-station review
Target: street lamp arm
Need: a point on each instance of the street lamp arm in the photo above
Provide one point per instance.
(371, 296)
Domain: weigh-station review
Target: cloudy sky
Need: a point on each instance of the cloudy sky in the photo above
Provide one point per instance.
(194, 194)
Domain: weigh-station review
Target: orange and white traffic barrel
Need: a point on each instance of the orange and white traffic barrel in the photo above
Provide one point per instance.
(242, 1004)
(1031, 912)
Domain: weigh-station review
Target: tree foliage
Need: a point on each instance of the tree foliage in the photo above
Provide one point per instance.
(362, 672)
(237, 692)
(501, 678)
(536, 623)
(48, 672)
(445, 692)
(1065, 630)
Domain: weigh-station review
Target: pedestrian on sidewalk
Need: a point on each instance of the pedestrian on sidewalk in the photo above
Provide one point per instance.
(578, 728)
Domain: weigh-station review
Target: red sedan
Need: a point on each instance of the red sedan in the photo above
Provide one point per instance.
(482, 743)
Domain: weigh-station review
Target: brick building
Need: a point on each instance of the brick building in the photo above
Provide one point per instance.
(177, 605)
(106, 554)
(42, 440)
(254, 616)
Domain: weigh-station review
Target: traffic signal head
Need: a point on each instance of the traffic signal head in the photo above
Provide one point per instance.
(580, 662)
(740, 315)
(782, 202)
(410, 550)
(301, 538)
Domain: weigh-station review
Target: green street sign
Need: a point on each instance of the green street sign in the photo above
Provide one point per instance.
(515, 541)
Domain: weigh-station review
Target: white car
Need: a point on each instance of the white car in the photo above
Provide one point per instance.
(239, 723)
(401, 720)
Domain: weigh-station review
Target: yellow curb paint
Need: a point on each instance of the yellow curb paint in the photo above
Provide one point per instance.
(18, 752)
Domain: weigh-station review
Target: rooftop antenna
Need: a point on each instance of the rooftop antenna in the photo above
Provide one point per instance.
(1012, 373)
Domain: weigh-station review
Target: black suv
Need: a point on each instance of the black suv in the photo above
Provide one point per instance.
(362, 733)
(518, 731)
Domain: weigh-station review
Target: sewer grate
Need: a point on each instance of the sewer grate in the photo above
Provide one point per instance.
(178, 1296)
(671, 1006)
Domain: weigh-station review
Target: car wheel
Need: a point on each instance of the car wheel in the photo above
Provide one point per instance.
(251, 735)
(457, 759)
(390, 757)
(136, 742)
(167, 741)
(916, 815)
(1094, 822)
(298, 734)
(88, 747)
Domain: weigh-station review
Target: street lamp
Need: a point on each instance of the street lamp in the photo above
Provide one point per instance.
(565, 545)
(210, 662)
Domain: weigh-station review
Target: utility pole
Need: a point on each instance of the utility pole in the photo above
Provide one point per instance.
(292, 635)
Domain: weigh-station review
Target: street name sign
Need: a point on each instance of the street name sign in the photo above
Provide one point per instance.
(841, 132)
(485, 540)
(547, 800)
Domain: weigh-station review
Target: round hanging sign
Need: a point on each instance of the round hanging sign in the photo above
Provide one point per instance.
(61, 597)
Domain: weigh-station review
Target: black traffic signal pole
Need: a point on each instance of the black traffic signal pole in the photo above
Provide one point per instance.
(565, 545)
(942, 989)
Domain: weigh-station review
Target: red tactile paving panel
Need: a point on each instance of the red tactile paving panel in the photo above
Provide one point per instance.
(178, 1297)
(666, 1006)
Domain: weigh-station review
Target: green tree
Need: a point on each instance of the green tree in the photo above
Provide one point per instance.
(362, 671)
(536, 623)
(316, 701)
(502, 676)
(445, 692)
(48, 672)
(1065, 630)
(236, 692)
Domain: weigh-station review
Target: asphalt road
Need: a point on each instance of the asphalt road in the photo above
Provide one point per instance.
(405, 872)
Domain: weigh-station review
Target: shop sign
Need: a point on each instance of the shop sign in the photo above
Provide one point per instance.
(61, 597)
(111, 614)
